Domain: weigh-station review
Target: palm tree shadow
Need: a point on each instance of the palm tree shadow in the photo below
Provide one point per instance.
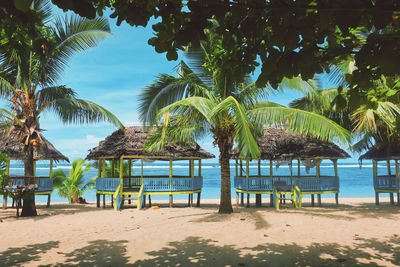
(195, 251)
(245, 214)
(23, 255)
(99, 253)
(44, 212)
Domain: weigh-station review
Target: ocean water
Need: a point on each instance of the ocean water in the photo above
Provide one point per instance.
(354, 181)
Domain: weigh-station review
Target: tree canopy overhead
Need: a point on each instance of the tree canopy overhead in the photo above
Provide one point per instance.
(289, 37)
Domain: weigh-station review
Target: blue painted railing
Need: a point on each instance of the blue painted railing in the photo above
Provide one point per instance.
(175, 184)
(305, 183)
(153, 184)
(45, 184)
(386, 183)
(107, 184)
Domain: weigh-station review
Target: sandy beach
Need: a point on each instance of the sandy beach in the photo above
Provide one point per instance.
(356, 233)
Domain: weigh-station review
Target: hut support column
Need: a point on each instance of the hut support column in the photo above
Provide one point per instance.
(258, 196)
(375, 173)
(7, 173)
(390, 174)
(271, 196)
(98, 175)
(247, 176)
(398, 178)
(337, 177)
(199, 193)
(170, 178)
(318, 176)
(241, 175)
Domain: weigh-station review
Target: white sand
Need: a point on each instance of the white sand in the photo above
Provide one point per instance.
(355, 233)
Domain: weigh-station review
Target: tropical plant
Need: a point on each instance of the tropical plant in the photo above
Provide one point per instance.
(28, 75)
(73, 185)
(372, 114)
(205, 100)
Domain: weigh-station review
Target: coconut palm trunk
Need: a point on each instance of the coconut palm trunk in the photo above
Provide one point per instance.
(29, 207)
(225, 205)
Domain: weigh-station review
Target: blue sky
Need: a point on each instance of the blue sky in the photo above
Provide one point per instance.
(112, 75)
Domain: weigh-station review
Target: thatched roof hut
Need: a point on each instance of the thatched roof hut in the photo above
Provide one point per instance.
(277, 144)
(382, 152)
(11, 146)
(131, 141)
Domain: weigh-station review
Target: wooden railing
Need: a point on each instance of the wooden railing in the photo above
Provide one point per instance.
(45, 184)
(305, 183)
(386, 183)
(152, 183)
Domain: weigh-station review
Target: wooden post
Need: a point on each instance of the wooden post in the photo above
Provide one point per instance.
(298, 168)
(236, 167)
(398, 178)
(113, 168)
(190, 168)
(318, 176)
(270, 168)
(247, 176)
(170, 183)
(51, 169)
(258, 196)
(241, 168)
(375, 174)
(390, 174)
(335, 167)
(99, 168)
(199, 167)
(7, 173)
(121, 175)
(103, 171)
(141, 171)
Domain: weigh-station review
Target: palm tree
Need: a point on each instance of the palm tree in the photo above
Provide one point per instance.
(73, 186)
(372, 114)
(28, 76)
(205, 100)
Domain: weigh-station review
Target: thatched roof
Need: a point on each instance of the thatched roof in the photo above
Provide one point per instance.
(382, 152)
(277, 144)
(11, 146)
(131, 141)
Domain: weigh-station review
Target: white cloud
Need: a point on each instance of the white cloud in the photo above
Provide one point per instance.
(77, 147)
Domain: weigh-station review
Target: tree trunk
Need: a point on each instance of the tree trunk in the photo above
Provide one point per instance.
(28, 206)
(225, 205)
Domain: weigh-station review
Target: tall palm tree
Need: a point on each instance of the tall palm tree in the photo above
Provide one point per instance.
(204, 100)
(28, 76)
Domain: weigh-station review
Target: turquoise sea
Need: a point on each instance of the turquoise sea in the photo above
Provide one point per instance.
(354, 181)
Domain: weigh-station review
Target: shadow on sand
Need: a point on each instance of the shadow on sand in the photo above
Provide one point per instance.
(43, 211)
(24, 255)
(196, 251)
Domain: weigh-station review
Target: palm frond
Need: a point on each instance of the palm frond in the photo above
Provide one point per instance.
(203, 105)
(6, 89)
(73, 34)
(246, 141)
(53, 93)
(302, 122)
(73, 110)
